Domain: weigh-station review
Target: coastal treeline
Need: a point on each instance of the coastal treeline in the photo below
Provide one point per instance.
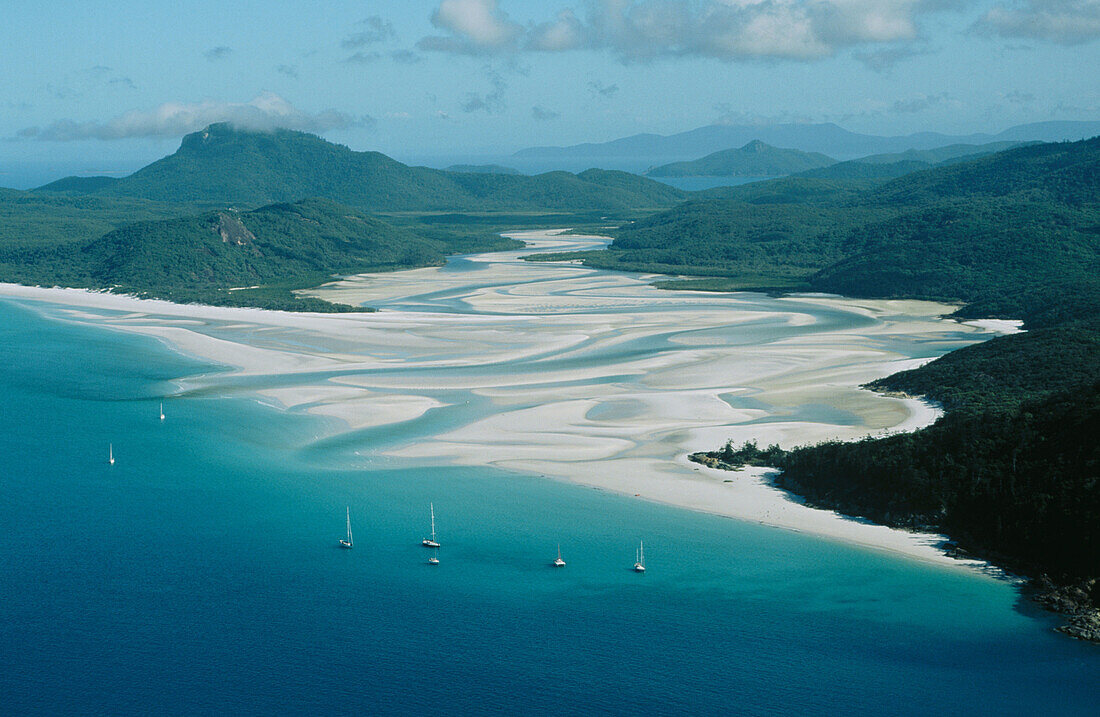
(1013, 470)
(222, 257)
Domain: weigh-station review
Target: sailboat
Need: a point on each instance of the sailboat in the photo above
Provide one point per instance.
(434, 560)
(162, 411)
(111, 453)
(348, 543)
(559, 563)
(639, 562)
(431, 542)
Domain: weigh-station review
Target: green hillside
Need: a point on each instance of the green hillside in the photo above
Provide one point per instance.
(34, 219)
(939, 155)
(1002, 233)
(77, 185)
(229, 257)
(482, 169)
(755, 159)
(858, 169)
(898, 164)
(247, 169)
(1012, 472)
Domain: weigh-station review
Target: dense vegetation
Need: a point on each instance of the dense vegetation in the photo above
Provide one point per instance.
(243, 169)
(898, 164)
(181, 228)
(1013, 234)
(1013, 470)
(482, 169)
(226, 257)
(755, 159)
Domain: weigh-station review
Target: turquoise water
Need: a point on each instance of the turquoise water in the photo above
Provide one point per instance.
(201, 573)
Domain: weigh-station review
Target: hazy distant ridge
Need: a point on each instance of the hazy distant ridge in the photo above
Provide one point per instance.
(827, 138)
(755, 159)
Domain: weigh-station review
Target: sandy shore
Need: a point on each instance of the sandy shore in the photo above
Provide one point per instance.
(586, 376)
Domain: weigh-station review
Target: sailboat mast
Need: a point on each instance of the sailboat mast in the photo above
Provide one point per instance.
(349, 523)
(431, 507)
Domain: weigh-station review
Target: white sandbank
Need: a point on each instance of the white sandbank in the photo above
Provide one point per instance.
(559, 370)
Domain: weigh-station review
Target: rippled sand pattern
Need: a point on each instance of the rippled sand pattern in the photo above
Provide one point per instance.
(564, 371)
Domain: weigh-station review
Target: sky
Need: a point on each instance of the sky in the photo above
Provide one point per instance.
(113, 85)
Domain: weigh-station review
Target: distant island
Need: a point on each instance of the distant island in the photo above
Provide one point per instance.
(643, 150)
(755, 159)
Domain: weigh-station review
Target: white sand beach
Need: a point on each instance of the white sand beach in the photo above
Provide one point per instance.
(575, 374)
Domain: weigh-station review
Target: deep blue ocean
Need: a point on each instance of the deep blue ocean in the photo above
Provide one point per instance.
(201, 574)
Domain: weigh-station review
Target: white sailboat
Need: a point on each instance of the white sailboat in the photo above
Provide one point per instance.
(348, 543)
(431, 542)
(434, 560)
(111, 453)
(639, 562)
(559, 563)
(162, 411)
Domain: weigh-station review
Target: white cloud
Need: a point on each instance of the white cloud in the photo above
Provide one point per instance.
(566, 32)
(723, 29)
(173, 119)
(1065, 22)
(472, 27)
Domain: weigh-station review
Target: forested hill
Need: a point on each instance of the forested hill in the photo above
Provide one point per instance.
(755, 159)
(1013, 470)
(898, 164)
(1014, 234)
(230, 257)
(247, 169)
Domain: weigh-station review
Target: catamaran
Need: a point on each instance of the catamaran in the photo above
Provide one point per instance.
(559, 563)
(639, 562)
(348, 543)
(111, 453)
(162, 411)
(431, 542)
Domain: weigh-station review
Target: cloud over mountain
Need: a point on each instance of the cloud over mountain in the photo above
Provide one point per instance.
(173, 119)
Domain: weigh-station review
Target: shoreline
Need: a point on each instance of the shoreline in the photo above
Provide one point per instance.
(583, 435)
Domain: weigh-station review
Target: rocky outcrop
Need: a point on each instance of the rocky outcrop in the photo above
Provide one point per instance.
(1077, 602)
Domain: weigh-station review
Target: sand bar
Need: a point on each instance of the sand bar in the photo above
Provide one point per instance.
(567, 372)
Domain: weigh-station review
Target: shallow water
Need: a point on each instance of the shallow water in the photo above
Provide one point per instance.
(201, 573)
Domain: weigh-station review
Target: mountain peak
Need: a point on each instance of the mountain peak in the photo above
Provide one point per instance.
(755, 159)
